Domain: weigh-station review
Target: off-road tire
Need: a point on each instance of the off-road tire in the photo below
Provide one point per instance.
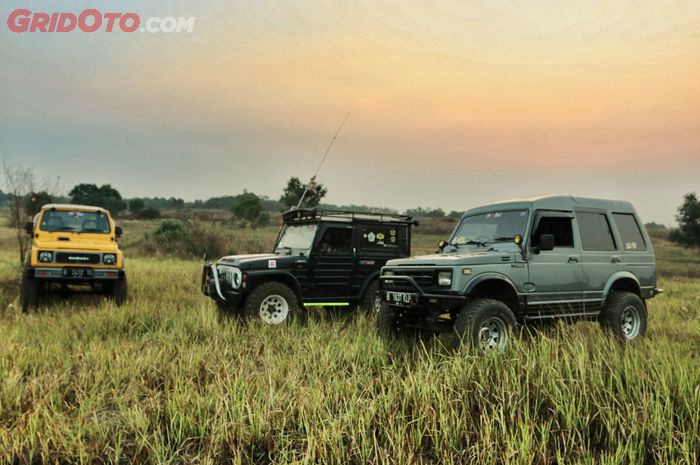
(477, 317)
(369, 300)
(119, 291)
(255, 299)
(29, 294)
(624, 315)
(228, 311)
(389, 321)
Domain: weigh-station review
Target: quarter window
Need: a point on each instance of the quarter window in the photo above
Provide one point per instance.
(632, 238)
(595, 231)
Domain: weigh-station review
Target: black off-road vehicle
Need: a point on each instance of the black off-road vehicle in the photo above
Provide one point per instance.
(322, 258)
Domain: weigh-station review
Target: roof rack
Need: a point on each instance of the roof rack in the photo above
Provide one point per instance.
(317, 214)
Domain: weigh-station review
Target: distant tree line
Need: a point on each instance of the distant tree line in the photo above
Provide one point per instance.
(687, 233)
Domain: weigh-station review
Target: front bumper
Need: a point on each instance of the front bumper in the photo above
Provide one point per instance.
(409, 294)
(67, 273)
(216, 288)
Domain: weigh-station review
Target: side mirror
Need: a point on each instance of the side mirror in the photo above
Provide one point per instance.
(546, 242)
(441, 245)
(29, 227)
(118, 231)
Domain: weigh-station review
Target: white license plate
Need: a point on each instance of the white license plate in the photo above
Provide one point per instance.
(400, 298)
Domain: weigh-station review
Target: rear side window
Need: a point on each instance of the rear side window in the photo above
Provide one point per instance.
(595, 231)
(380, 237)
(632, 238)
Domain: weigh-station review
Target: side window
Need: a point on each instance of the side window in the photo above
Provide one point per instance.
(336, 241)
(559, 227)
(632, 238)
(380, 237)
(595, 231)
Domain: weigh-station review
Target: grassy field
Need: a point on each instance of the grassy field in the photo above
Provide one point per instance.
(162, 380)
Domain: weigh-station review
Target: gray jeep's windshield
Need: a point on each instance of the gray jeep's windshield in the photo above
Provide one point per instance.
(495, 226)
(297, 236)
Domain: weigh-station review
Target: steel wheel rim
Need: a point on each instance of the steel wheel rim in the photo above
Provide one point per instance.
(274, 309)
(631, 322)
(377, 303)
(493, 334)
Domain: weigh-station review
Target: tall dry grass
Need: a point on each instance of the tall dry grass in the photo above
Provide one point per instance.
(162, 380)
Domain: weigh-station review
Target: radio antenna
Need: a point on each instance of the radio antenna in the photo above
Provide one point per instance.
(312, 181)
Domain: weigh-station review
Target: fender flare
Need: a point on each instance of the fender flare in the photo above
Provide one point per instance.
(267, 274)
(480, 278)
(617, 276)
(372, 277)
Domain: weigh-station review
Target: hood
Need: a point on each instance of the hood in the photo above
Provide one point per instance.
(473, 257)
(83, 243)
(260, 261)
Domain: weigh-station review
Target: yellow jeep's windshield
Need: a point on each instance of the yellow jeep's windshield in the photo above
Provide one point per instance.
(75, 221)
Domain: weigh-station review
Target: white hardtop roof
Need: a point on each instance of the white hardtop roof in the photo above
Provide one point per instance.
(72, 207)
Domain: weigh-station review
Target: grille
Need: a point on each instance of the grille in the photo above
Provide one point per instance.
(78, 258)
(424, 278)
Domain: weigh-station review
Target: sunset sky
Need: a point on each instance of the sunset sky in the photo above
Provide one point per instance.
(453, 103)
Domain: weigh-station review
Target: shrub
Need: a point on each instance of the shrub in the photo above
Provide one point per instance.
(148, 213)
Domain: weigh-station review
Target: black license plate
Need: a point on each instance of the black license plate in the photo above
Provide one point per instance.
(78, 272)
(401, 298)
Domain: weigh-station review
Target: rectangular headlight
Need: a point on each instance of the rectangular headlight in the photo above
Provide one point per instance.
(388, 273)
(445, 278)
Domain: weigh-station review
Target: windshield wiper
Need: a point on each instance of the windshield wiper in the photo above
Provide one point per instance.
(470, 242)
(502, 239)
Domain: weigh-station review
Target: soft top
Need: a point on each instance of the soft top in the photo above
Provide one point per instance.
(556, 202)
(70, 206)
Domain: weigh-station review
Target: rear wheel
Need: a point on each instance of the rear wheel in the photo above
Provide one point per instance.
(29, 294)
(388, 321)
(486, 324)
(120, 291)
(371, 302)
(625, 315)
(273, 303)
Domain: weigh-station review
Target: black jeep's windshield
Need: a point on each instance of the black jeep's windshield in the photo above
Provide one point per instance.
(496, 226)
(74, 221)
(297, 236)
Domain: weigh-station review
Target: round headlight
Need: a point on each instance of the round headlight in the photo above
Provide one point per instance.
(109, 259)
(45, 257)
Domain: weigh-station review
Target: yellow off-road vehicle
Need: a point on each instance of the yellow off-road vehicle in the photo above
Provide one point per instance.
(74, 248)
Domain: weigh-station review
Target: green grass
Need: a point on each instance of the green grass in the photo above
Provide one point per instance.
(163, 380)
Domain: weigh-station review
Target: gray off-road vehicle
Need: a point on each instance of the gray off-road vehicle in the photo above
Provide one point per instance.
(522, 261)
(322, 258)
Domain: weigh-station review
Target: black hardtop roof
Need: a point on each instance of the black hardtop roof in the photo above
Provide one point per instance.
(342, 216)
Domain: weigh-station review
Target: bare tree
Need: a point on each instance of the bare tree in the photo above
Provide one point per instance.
(20, 182)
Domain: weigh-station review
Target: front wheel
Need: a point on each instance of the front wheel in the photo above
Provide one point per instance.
(273, 303)
(120, 291)
(486, 324)
(625, 315)
(29, 294)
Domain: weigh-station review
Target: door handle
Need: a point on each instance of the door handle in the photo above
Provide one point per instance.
(616, 260)
(573, 259)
